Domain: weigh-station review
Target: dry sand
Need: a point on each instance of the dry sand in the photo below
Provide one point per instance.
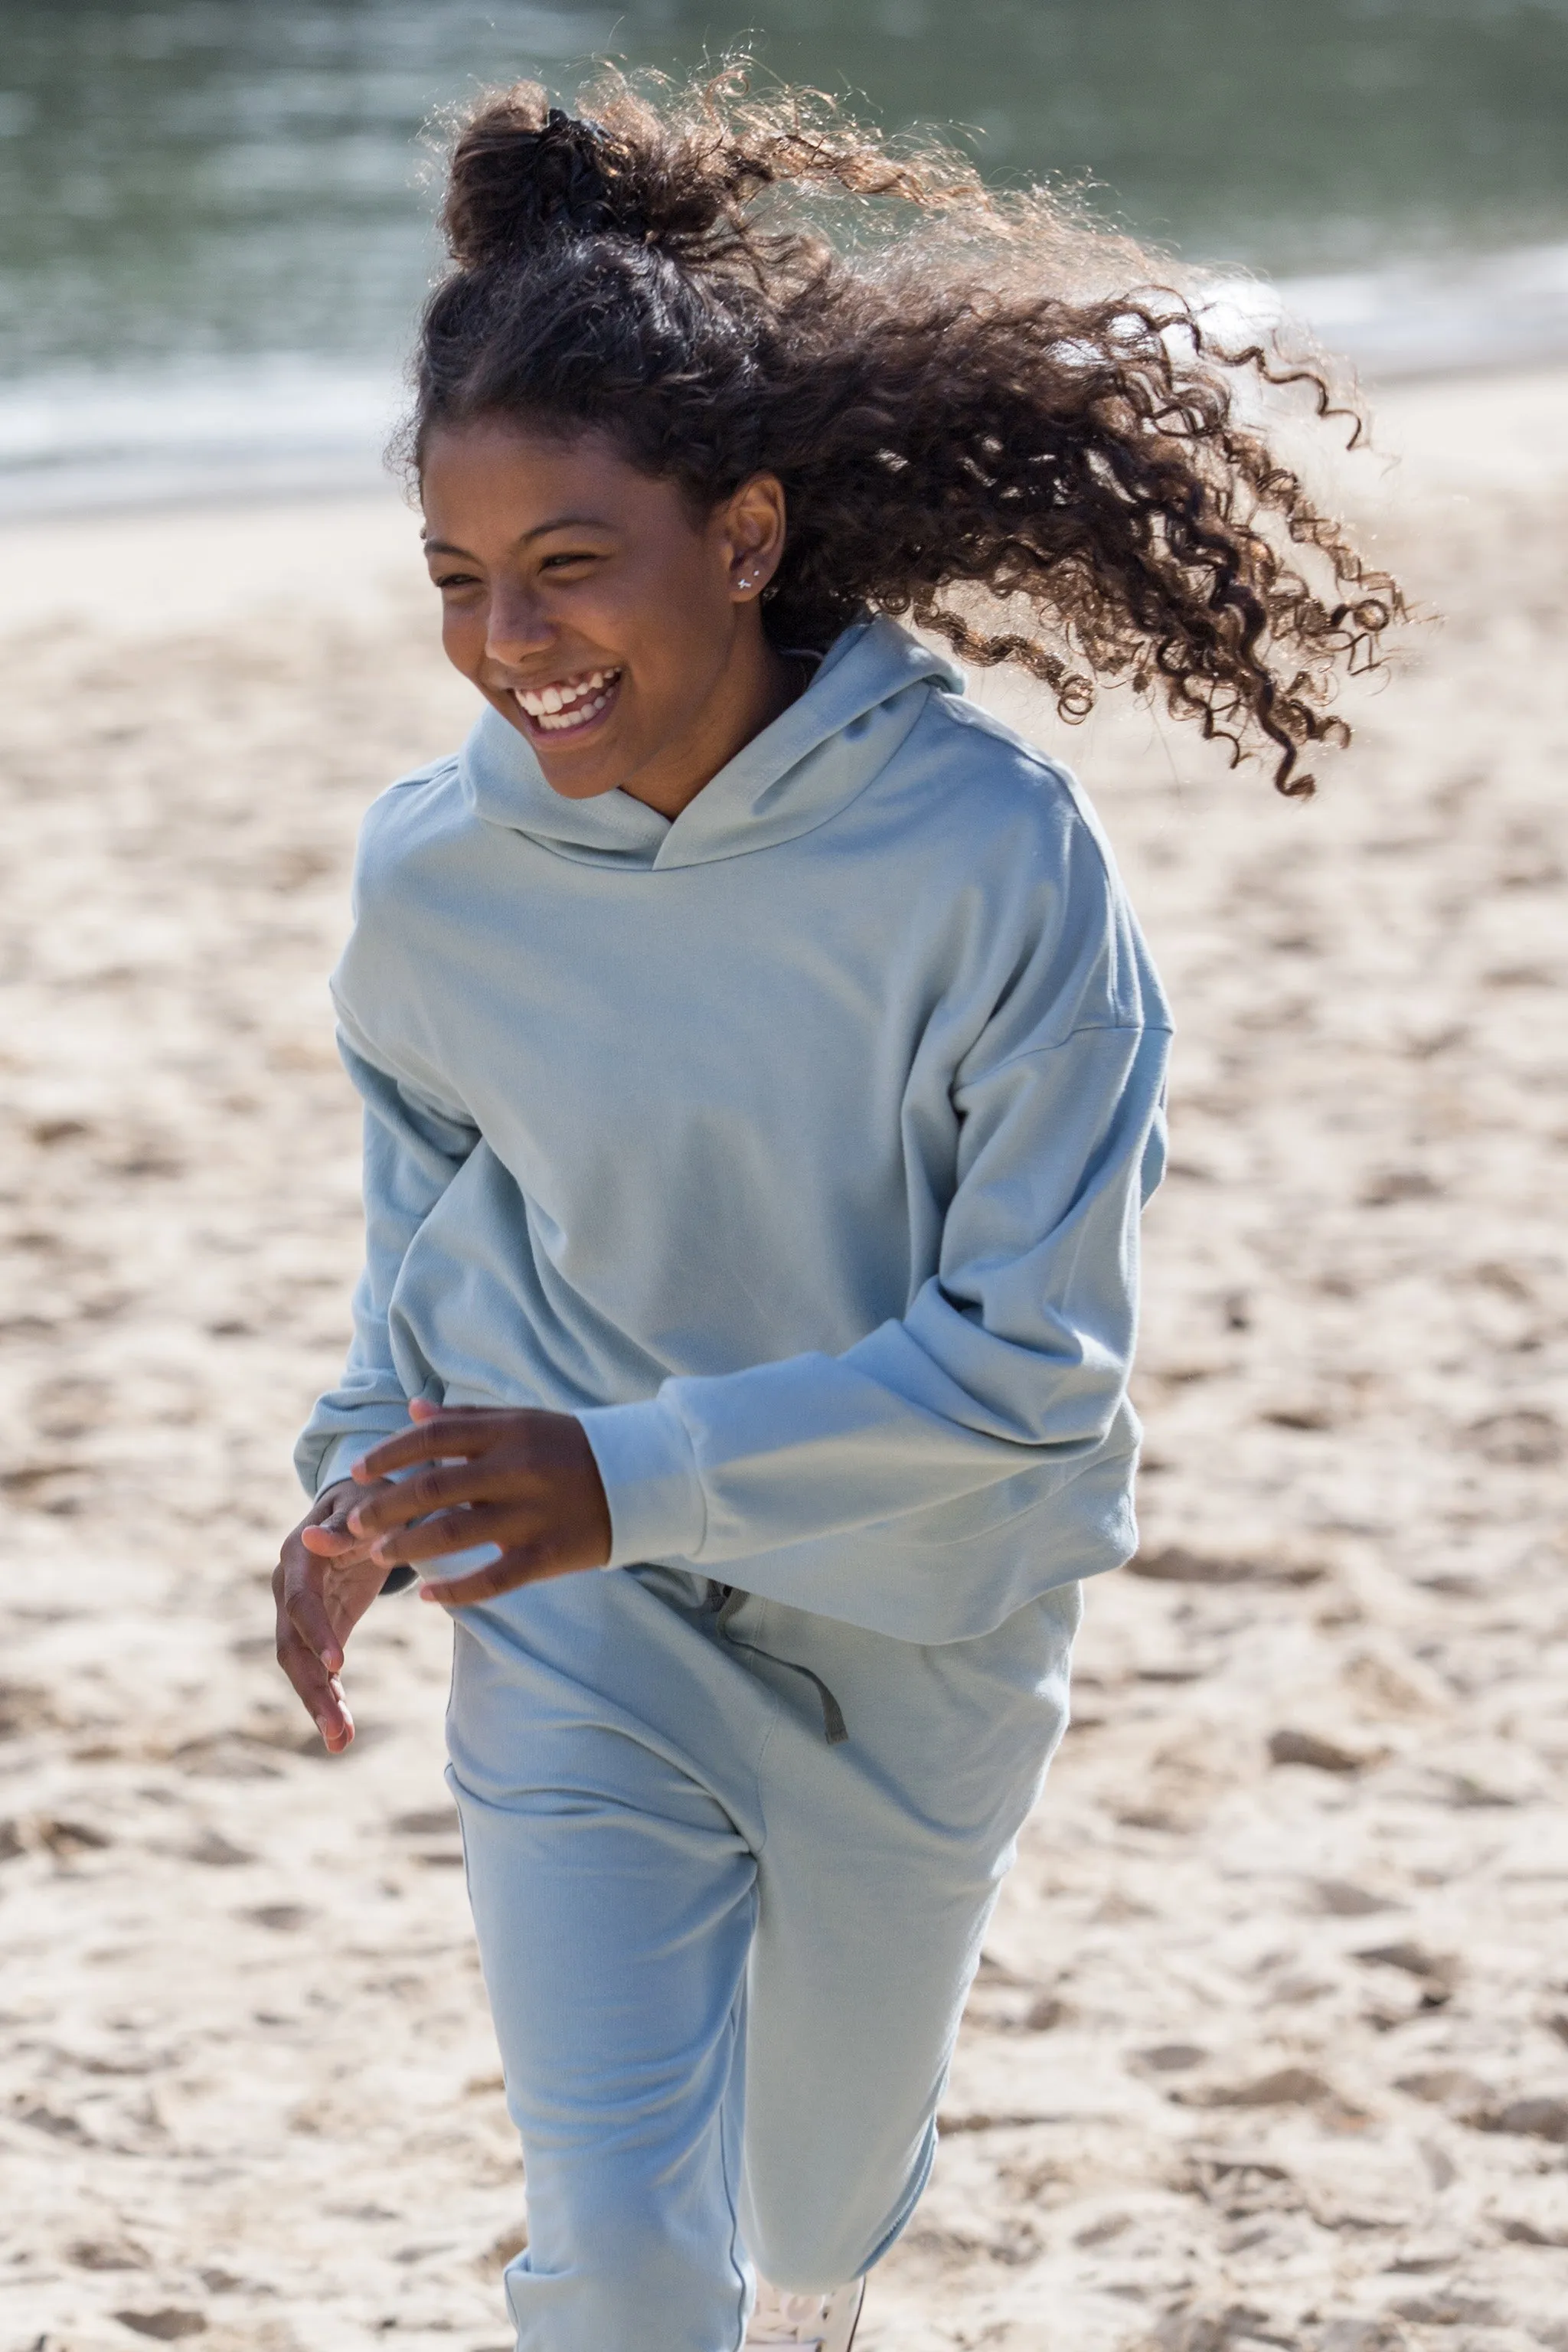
(1269, 2050)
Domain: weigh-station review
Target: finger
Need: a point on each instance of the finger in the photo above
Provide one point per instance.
(453, 1531)
(330, 1542)
(342, 1550)
(334, 1720)
(306, 1611)
(523, 1564)
(328, 1501)
(425, 1409)
(452, 1434)
(320, 1693)
(399, 1502)
(346, 1545)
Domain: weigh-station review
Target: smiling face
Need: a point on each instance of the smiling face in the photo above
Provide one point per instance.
(618, 634)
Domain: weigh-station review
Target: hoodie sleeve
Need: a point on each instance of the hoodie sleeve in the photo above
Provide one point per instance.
(1015, 1356)
(413, 1149)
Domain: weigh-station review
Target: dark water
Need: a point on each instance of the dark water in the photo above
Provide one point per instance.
(182, 186)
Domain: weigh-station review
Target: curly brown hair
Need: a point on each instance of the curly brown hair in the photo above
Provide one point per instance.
(975, 423)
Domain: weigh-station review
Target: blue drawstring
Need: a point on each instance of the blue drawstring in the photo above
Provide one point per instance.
(728, 1599)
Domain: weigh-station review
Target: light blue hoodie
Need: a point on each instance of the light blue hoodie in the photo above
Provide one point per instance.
(797, 1146)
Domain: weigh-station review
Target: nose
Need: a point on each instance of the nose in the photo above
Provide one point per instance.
(517, 627)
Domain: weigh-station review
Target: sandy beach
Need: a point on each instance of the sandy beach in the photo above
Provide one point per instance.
(1271, 2045)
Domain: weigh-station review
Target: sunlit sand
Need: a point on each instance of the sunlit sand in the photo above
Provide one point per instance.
(1269, 2046)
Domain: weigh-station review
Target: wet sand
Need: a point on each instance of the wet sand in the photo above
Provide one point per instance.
(1269, 2049)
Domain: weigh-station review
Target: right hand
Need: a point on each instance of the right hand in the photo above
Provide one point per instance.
(324, 1582)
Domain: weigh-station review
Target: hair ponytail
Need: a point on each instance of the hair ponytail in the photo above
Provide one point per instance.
(992, 406)
(521, 173)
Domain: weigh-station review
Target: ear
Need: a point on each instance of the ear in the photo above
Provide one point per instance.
(752, 535)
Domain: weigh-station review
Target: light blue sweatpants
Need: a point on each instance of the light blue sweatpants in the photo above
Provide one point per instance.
(727, 1958)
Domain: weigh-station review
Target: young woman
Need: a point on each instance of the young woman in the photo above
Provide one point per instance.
(762, 1076)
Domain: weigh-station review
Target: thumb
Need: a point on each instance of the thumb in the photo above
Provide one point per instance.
(328, 1541)
(422, 1409)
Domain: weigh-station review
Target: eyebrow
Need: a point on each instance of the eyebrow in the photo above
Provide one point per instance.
(540, 531)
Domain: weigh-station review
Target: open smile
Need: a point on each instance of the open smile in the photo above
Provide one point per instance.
(570, 707)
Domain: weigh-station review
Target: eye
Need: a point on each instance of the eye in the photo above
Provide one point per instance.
(455, 579)
(571, 556)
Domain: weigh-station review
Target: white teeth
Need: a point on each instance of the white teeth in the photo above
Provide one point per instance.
(554, 723)
(556, 708)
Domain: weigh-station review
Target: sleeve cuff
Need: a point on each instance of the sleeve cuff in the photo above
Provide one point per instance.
(340, 1455)
(658, 1510)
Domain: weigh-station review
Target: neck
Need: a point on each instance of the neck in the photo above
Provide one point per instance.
(755, 688)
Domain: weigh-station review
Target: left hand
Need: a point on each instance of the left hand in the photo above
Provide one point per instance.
(526, 1481)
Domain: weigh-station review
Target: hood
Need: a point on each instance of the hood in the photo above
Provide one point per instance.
(871, 687)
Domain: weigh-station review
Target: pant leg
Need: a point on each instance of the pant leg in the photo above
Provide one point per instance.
(881, 1866)
(638, 1796)
(614, 1895)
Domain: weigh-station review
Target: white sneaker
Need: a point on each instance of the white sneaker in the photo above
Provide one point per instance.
(806, 2323)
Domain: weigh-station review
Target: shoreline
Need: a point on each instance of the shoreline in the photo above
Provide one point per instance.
(198, 562)
(233, 428)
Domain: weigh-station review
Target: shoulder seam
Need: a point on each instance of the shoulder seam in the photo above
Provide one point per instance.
(438, 771)
(969, 714)
(424, 775)
(1055, 1045)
